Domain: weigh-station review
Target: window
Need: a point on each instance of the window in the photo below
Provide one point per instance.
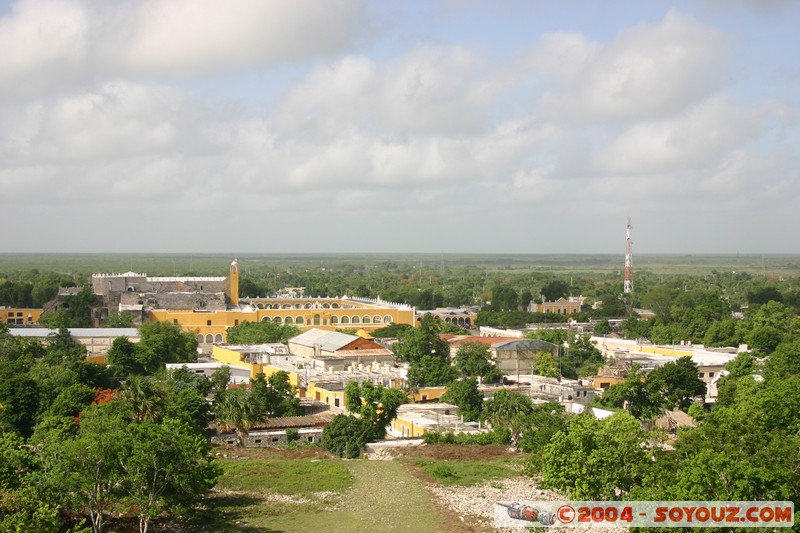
(235, 322)
(701, 374)
(257, 441)
(711, 374)
(299, 320)
(336, 402)
(174, 320)
(208, 322)
(19, 313)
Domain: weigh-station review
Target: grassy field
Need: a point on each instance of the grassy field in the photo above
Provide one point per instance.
(266, 490)
(305, 491)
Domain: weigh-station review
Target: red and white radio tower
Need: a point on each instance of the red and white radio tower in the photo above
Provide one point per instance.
(628, 285)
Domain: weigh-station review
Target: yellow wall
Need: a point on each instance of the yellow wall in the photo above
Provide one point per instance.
(231, 357)
(317, 391)
(20, 316)
(217, 322)
(407, 428)
(665, 350)
(430, 393)
(601, 382)
(294, 377)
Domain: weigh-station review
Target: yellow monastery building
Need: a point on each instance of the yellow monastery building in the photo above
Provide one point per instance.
(209, 306)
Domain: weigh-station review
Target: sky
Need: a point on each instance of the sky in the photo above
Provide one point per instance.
(451, 126)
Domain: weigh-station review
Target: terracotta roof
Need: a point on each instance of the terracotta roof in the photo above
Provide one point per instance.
(321, 419)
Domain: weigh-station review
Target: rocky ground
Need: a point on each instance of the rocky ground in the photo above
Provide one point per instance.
(475, 505)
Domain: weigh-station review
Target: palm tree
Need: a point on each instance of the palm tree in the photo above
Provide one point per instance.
(145, 398)
(237, 411)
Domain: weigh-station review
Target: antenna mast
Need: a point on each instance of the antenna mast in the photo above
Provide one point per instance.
(628, 284)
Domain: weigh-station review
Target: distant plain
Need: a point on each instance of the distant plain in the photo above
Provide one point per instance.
(13, 265)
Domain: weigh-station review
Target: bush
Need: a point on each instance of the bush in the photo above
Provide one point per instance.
(346, 436)
(496, 436)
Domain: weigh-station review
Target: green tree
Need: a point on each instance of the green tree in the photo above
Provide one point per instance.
(374, 403)
(167, 467)
(86, 470)
(473, 359)
(275, 397)
(346, 436)
(504, 298)
(260, 332)
(123, 319)
(538, 428)
(184, 403)
(677, 383)
(508, 410)
(431, 371)
(451, 328)
(545, 364)
(145, 397)
(554, 290)
(220, 379)
(235, 410)
(72, 400)
(19, 402)
(595, 459)
(123, 358)
(164, 342)
(603, 327)
(464, 393)
(422, 341)
(634, 395)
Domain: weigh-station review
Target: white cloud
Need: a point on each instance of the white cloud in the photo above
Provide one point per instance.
(648, 71)
(51, 45)
(694, 139)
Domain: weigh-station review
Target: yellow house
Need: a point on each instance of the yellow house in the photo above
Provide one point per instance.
(331, 393)
(426, 394)
(22, 316)
(235, 356)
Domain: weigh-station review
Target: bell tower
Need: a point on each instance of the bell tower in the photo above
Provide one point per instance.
(233, 282)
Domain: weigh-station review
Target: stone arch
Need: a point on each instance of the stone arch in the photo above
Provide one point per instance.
(447, 319)
(334, 320)
(277, 320)
(334, 306)
(345, 320)
(387, 319)
(260, 306)
(356, 320)
(209, 338)
(317, 320)
(288, 320)
(218, 338)
(200, 339)
(376, 319)
(299, 320)
(326, 306)
(366, 319)
(286, 306)
(265, 319)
